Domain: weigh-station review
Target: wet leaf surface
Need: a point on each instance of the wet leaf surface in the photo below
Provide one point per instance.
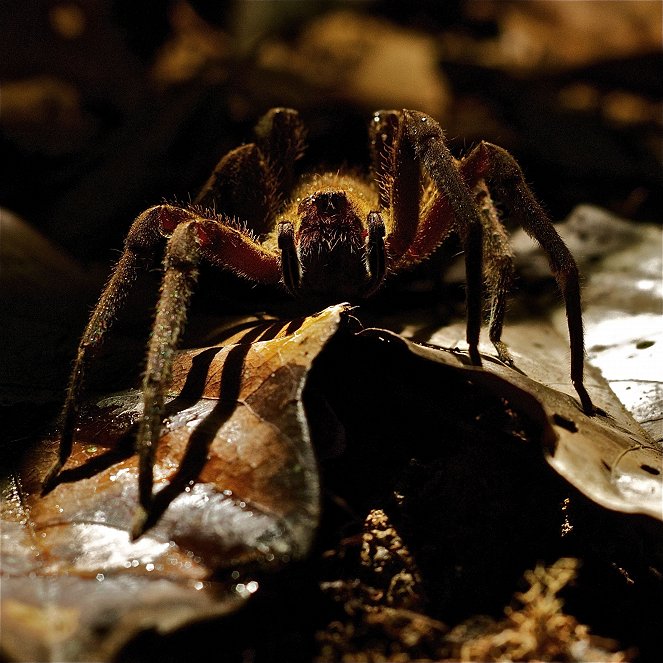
(622, 265)
(238, 492)
(607, 456)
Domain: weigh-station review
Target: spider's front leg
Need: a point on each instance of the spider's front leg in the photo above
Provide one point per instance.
(419, 139)
(180, 276)
(141, 245)
(191, 242)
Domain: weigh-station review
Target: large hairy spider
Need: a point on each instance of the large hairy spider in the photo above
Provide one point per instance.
(326, 236)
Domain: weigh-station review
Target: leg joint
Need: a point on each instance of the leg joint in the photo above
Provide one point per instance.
(152, 226)
(183, 248)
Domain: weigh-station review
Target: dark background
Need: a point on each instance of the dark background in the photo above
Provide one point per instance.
(111, 106)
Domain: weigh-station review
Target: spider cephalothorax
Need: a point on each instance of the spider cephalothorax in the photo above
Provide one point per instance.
(333, 249)
(327, 236)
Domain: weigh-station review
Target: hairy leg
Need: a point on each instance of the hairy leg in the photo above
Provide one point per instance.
(427, 141)
(144, 238)
(180, 276)
(280, 135)
(220, 245)
(382, 132)
(196, 240)
(242, 187)
(498, 267)
(397, 174)
(435, 226)
(506, 181)
(250, 182)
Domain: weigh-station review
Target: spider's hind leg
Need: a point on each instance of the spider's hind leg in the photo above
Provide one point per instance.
(498, 267)
(507, 182)
(250, 182)
(280, 136)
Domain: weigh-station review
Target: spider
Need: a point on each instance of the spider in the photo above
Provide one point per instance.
(326, 236)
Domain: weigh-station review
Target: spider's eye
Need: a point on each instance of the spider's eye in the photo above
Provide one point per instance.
(330, 202)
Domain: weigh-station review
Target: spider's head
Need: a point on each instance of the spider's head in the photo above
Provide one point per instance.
(326, 252)
(328, 218)
(325, 206)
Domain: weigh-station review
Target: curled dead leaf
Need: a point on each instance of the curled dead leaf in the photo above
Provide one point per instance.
(608, 457)
(238, 491)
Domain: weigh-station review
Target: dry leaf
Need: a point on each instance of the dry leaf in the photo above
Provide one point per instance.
(623, 304)
(612, 459)
(608, 457)
(238, 488)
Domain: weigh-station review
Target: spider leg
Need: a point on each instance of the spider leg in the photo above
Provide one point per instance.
(280, 136)
(180, 276)
(422, 136)
(251, 181)
(142, 241)
(397, 173)
(191, 242)
(382, 133)
(244, 187)
(499, 267)
(435, 226)
(506, 181)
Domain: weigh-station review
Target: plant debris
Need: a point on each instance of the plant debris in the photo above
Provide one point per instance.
(391, 625)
